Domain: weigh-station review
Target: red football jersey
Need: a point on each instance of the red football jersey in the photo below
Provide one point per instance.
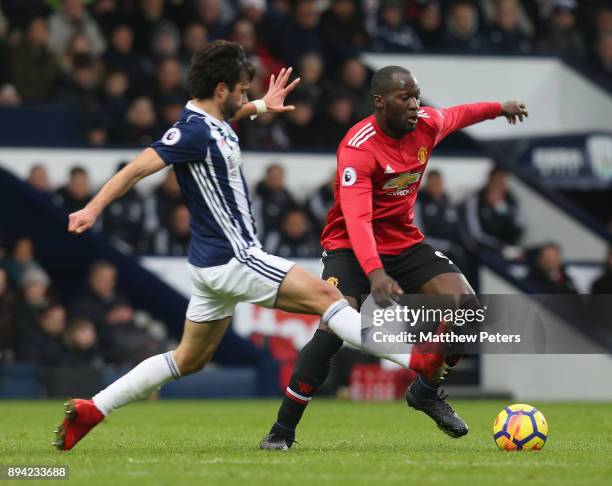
(378, 178)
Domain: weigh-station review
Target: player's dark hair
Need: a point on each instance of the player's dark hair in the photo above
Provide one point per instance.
(434, 173)
(218, 62)
(383, 79)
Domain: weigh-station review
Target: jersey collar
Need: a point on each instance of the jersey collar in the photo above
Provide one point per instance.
(193, 107)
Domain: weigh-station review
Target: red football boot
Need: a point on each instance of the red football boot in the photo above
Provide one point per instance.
(81, 417)
(428, 359)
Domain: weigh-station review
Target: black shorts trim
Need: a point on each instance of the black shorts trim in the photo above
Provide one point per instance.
(412, 269)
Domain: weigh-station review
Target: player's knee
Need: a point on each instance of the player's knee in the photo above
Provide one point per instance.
(328, 294)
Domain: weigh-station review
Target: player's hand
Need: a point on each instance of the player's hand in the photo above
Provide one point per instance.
(383, 288)
(278, 91)
(82, 220)
(514, 110)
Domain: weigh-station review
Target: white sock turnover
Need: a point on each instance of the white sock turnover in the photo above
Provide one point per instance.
(346, 324)
(138, 383)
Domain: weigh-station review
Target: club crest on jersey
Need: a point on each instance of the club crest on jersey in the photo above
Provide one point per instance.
(422, 154)
(332, 281)
(349, 176)
(399, 185)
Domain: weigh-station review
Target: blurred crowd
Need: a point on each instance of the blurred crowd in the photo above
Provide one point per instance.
(122, 64)
(97, 326)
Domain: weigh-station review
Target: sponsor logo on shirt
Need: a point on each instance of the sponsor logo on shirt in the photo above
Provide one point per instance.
(403, 184)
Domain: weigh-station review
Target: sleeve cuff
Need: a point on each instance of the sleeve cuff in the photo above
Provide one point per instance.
(371, 264)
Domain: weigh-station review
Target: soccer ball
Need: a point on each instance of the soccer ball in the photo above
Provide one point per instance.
(520, 427)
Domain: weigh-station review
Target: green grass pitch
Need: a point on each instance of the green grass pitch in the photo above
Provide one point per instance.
(215, 442)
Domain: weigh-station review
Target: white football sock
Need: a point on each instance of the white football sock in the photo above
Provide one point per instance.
(345, 321)
(138, 383)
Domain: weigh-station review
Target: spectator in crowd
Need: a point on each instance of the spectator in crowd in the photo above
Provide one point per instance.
(170, 110)
(82, 90)
(174, 239)
(354, 79)
(146, 19)
(600, 66)
(35, 296)
(215, 15)
(114, 99)
(299, 34)
(72, 17)
(603, 283)
(123, 220)
(294, 237)
(393, 33)
(7, 331)
(563, 38)
(310, 69)
(107, 14)
(166, 41)
(140, 124)
(194, 37)
(162, 200)
(463, 34)
(122, 55)
(336, 119)
(22, 259)
(429, 28)
(77, 193)
(506, 35)
(547, 272)
(38, 178)
(43, 344)
(123, 342)
(100, 296)
(81, 344)
(342, 30)
(436, 216)
(168, 82)
(271, 200)
(78, 46)
(299, 123)
(493, 214)
(33, 69)
(320, 202)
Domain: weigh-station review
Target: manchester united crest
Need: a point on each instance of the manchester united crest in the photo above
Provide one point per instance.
(422, 154)
(332, 281)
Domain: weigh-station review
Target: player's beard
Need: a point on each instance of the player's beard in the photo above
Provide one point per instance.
(229, 108)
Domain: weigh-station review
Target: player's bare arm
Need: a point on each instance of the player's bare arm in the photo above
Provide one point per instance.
(146, 163)
(514, 110)
(274, 99)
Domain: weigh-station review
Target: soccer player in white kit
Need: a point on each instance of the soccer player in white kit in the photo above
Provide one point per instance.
(227, 264)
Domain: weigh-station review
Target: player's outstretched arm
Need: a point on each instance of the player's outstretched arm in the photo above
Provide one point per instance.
(146, 163)
(514, 110)
(274, 100)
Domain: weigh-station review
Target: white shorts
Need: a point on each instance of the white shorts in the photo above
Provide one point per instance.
(217, 290)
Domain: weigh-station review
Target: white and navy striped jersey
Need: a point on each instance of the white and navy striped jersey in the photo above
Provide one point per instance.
(207, 160)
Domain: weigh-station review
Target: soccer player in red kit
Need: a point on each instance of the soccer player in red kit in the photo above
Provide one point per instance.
(371, 243)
